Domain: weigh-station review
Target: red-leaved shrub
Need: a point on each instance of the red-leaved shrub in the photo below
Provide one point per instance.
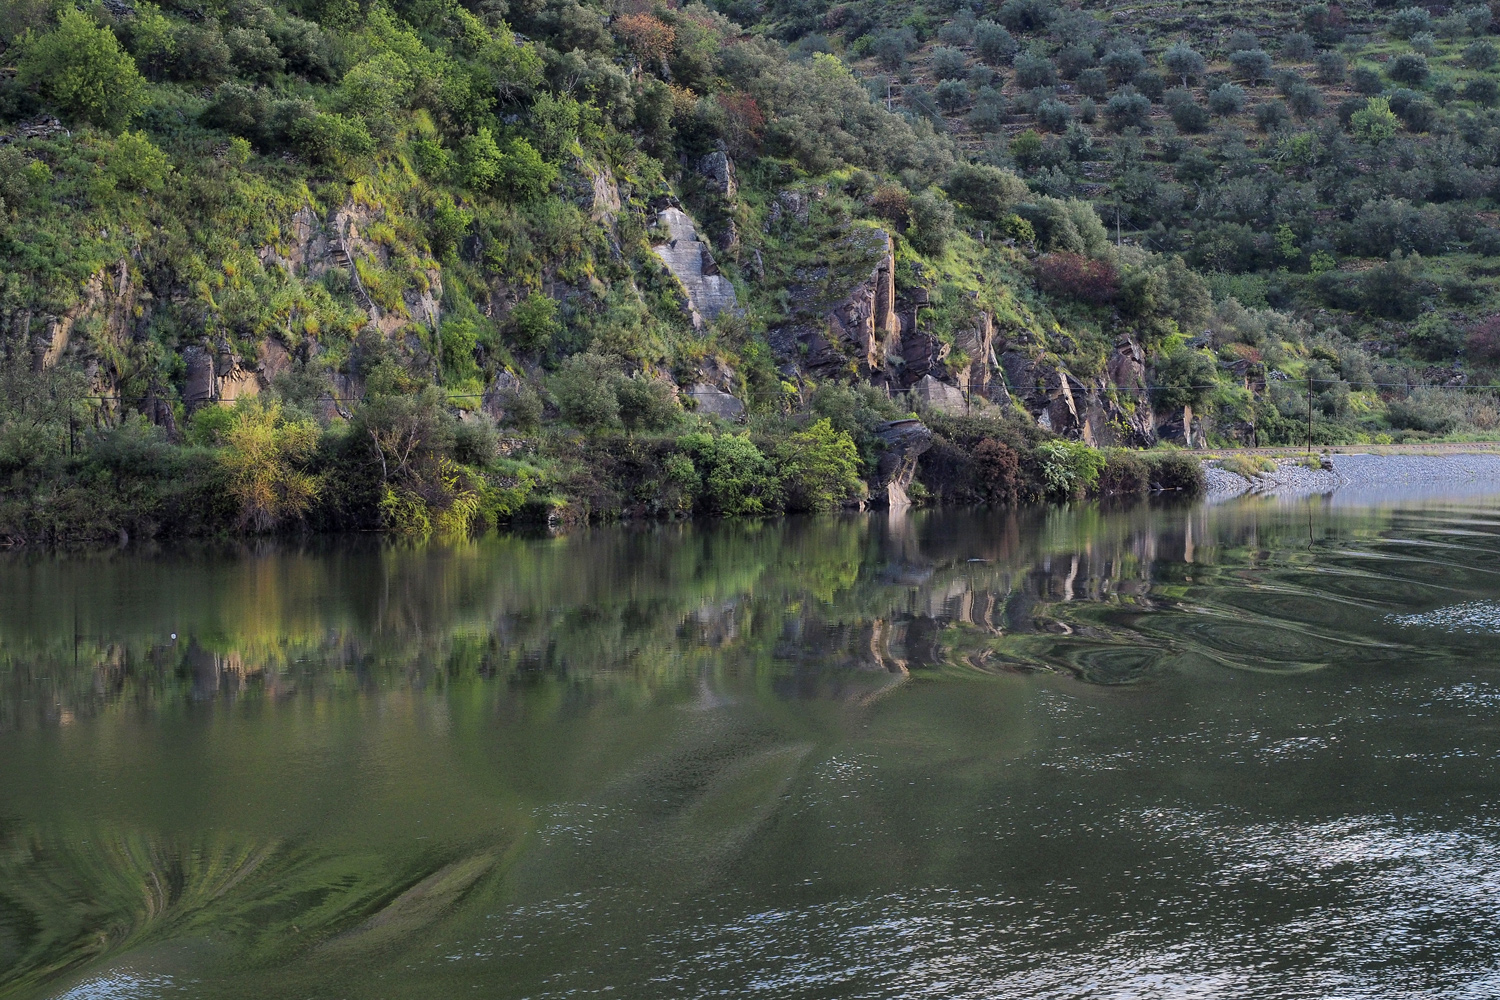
(1073, 276)
(1484, 340)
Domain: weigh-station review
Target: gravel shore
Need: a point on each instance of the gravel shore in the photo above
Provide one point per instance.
(1364, 477)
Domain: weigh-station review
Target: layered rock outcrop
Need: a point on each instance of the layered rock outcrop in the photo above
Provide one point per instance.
(708, 293)
(903, 442)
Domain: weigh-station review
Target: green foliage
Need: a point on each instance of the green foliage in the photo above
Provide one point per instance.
(738, 479)
(1070, 469)
(585, 389)
(1184, 378)
(819, 468)
(533, 322)
(79, 68)
(1376, 123)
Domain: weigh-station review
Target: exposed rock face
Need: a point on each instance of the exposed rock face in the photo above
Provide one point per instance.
(904, 442)
(708, 292)
(1045, 392)
(866, 318)
(940, 396)
(1183, 428)
(715, 402)
(793, 205)
(718, 169)
(843, 321)
(921, 355)
(198, 389)
(977, 341)
(603, 195)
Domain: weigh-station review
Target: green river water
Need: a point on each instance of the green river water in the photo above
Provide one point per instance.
(1243, 750)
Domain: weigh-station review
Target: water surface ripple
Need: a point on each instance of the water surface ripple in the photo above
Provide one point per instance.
(1238, 750)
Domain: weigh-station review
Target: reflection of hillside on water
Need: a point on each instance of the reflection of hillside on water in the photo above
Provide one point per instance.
(1104, 594)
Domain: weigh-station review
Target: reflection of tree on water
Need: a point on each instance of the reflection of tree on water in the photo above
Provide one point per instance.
(644, 607)
(497, 723)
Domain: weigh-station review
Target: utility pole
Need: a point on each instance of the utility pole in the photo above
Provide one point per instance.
(1309, 416)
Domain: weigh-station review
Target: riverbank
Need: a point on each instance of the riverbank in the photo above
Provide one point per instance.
(1428, 471)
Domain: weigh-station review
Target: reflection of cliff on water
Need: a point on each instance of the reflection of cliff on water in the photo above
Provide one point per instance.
(810, 604)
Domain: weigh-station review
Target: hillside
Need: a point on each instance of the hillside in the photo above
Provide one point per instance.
(425, 266)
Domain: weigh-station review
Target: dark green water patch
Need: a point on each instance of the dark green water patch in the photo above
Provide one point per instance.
(1240, 750)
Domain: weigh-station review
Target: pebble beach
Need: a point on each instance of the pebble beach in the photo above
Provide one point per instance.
(1365, 476)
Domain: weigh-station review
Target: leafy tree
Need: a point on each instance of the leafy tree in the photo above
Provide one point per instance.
(989, 112)
(951, 95)
(136, 164)
(932, 223)
(334, 139)
(1242, 41)
(1189, 116)
(1376, 123)
(948, 63)
(1070, 469)
(1331, 67)
(1053, 115)
(1034, 70)
(1183, 61)
(1305, 101)
(1128, 110)
(738, 479)
(1366, 80)
(819, 468)
(1026, 15)
(80, 69)
(1093, 83)
(1409, 68)
(1481, 55)
(648, 403)
(986, 192)
(1482, 91)
(1251, 65)
(264, 460)
(585, 389)
(994, 44)
(1124, 63)
(1408, 21)
(1184, 378)
(1226, 99)
(1298, 45)
(891, 47)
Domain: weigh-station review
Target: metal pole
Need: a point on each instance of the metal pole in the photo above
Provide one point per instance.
(1309, 417)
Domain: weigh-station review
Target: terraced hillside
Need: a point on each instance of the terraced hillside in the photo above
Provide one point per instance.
(426, 265)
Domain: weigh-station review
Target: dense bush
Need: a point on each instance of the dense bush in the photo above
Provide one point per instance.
(1072, 276)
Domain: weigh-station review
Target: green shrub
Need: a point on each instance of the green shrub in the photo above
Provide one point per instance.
(1176, 472)
(1125, 473)
(819, 468)
(585, 389)
(1070, 469)
(738, 480)
(79, 68)
(648, 403)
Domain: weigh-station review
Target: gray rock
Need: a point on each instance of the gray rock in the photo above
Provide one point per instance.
(692, 263)
(903, 443)
(718, 169)
(715, 402)
(198, 389)
(940, 396)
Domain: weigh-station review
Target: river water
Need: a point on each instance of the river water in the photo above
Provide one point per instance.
(1241, 750)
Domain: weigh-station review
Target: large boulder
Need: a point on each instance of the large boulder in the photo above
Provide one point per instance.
(903, 442)
(718, 170)
(712, 401)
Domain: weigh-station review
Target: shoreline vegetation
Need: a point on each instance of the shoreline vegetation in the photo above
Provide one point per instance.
(431, 267)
